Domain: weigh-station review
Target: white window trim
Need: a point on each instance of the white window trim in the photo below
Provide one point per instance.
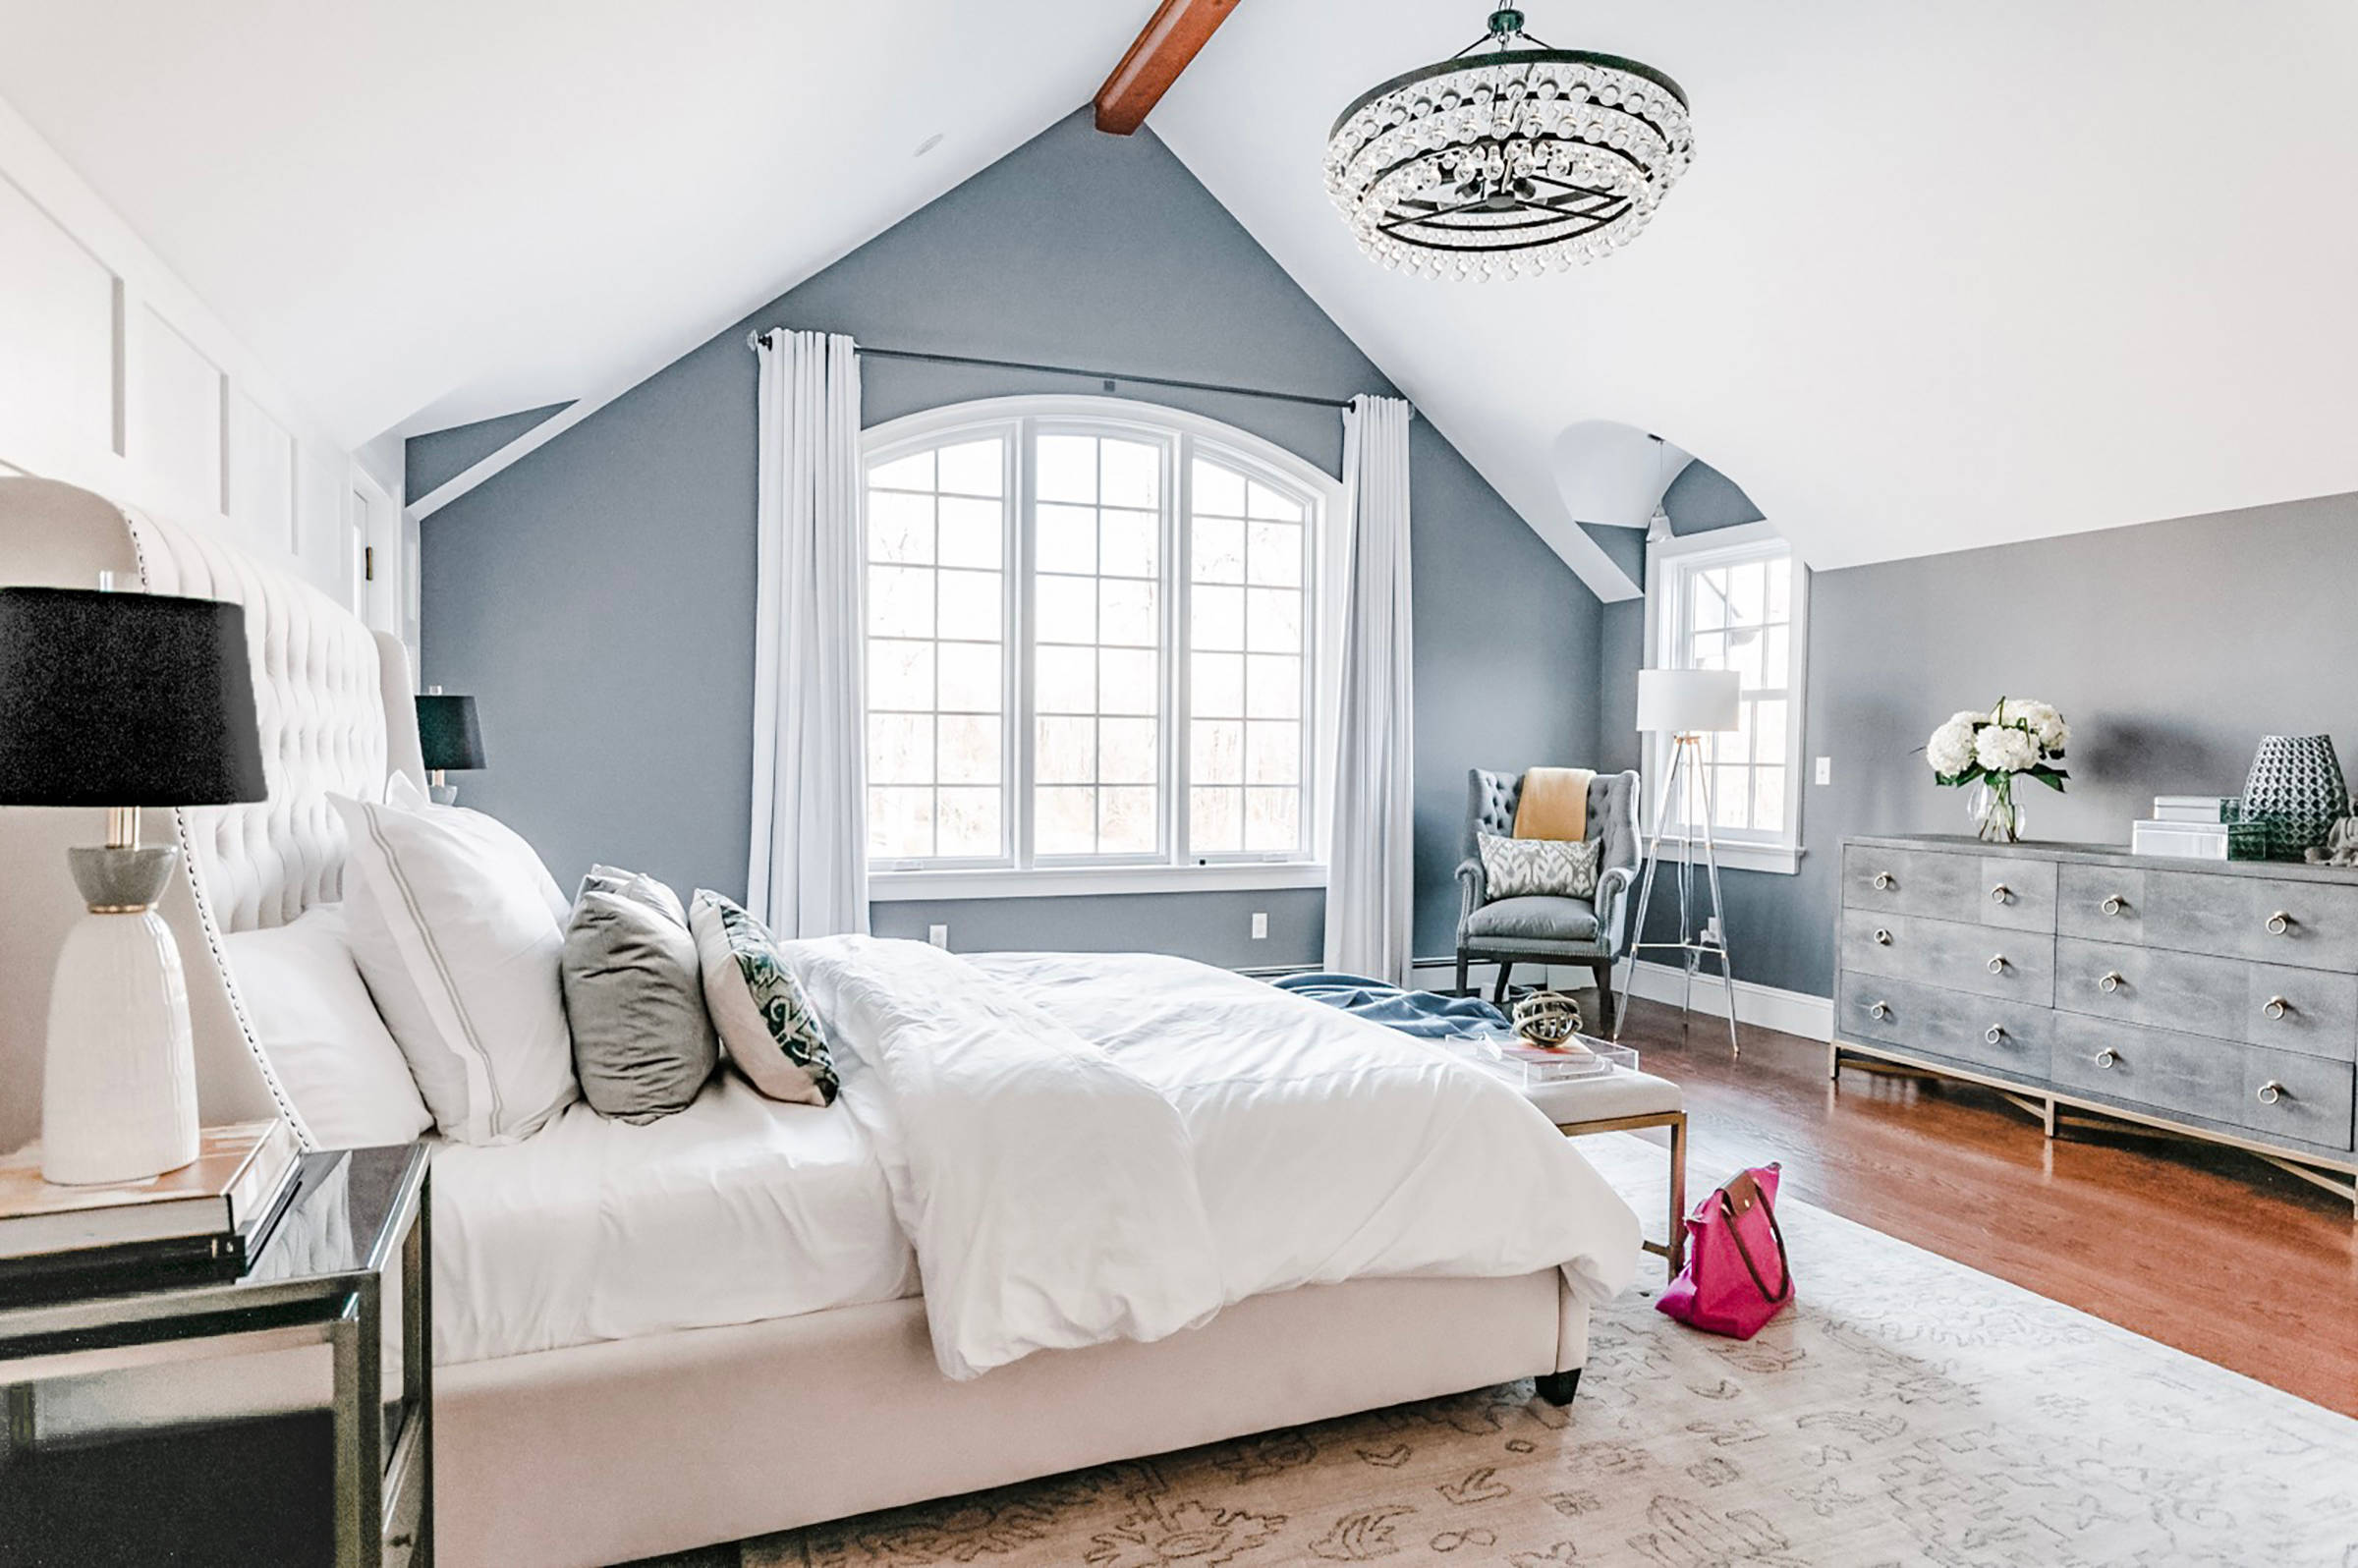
(1016, 418)
(1694, 551)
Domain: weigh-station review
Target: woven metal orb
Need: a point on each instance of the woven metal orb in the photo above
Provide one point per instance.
(1546, 1018)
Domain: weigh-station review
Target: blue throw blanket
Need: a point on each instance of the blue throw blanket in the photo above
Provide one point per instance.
(1427, 1015)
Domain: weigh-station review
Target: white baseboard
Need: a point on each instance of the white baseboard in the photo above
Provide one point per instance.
(1769, 1006)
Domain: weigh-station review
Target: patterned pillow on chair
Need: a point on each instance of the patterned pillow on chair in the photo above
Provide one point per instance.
(1521, 867)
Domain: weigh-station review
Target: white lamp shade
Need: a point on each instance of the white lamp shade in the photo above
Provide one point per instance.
(1682, 701)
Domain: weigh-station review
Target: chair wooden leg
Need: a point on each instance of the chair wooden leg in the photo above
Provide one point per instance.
(1461, 974)
(1603, 968)
(1499, 991)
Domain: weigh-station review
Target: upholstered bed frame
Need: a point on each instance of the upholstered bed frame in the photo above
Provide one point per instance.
(627, 1448)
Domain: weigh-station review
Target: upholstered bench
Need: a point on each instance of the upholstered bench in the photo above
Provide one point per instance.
(1622, 1102)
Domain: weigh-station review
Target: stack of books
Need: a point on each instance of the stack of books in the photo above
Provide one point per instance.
(206, 1220)
(2202, 827)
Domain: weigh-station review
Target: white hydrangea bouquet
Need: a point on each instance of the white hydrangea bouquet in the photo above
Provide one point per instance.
(2016, 739)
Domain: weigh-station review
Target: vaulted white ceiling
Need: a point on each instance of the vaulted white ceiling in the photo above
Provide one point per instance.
(1942, 275)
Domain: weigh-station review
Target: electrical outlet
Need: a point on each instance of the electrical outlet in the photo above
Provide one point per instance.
(1261, 926)
(939, 936)
(1826, 770)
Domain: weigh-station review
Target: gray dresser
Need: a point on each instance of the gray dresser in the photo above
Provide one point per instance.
(2215, 998)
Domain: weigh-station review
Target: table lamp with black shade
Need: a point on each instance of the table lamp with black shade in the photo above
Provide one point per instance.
(122, 700)
(448, 738)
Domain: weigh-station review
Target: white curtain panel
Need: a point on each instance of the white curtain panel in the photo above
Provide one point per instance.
(1371, 868)
(809, 875)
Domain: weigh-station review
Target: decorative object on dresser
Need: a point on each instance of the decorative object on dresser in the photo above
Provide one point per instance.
(355, 1231)
(2215, 840)
(122, 700)
(2218, 1000)
(1686, 705)
(451, 740)
(2340, 847)
(205, 1220)
(1986, 752)
(2296, 792)
(1552, 927)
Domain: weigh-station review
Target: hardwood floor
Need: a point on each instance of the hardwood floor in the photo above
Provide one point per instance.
(2205, 1249)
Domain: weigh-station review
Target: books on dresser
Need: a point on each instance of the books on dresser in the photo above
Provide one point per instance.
(209, 1217)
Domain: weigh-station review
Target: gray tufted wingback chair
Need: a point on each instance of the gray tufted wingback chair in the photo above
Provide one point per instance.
(1543, 929)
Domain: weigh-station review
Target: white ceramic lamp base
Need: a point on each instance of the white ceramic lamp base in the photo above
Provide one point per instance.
(119, 1086)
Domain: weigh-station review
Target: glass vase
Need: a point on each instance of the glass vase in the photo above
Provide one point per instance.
(1997, 819)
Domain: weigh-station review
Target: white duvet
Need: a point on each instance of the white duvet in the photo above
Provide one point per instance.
(1087, 1148)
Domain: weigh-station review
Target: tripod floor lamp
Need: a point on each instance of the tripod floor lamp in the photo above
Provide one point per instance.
(1686, 705)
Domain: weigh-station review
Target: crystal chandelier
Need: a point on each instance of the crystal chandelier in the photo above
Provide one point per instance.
(1506, 163)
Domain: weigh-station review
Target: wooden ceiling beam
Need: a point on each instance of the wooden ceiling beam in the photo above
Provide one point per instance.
(1170, 39)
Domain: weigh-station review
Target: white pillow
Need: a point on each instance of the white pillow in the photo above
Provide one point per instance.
(322, 1035)
(496, 837)
(458, 929)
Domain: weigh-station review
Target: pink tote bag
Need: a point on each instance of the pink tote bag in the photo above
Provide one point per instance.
(1737, 1275)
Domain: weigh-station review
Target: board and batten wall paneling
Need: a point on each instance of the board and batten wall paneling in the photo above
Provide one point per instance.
(57, 338)
(115, 376)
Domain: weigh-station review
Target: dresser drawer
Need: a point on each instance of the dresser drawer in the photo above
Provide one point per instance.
(1997, 890)
(2104, 903)
(2018, 965)
(2161, 989)
(2309, 924)
(2289, 1096)
(2312, 1011)
(2004, 1037)
(2168, 1071)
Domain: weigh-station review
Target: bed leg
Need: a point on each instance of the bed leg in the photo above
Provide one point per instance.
(1557, 1389)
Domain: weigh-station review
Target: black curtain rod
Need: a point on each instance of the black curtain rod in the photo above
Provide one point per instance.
(1091, 375)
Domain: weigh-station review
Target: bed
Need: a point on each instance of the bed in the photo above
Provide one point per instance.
(651, 1338)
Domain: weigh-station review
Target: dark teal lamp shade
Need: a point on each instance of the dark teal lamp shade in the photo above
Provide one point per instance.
(448, 734)
(123, 699)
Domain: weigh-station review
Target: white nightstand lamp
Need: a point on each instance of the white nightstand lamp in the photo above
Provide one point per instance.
(1686, 705)
(122, 700)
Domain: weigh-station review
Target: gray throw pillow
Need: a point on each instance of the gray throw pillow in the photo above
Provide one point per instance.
(633, 885)
(643, 1043)
(1525, 868)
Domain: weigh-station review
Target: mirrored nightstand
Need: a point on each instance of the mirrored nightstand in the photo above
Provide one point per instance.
(355, 1232)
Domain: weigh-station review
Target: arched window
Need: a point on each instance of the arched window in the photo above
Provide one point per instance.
(1094, 647)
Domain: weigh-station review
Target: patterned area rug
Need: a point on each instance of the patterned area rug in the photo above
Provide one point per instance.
(1909, 1410)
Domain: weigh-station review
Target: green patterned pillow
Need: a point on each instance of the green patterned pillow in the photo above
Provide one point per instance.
(1521, 867)
(769, 1029)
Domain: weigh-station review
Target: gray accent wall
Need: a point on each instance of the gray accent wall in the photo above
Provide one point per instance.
(2173, 648)
(597, 597)
(1701, 498)
(435, 459)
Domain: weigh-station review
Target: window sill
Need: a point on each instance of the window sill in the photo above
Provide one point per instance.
(894, 887)
(1784, 860)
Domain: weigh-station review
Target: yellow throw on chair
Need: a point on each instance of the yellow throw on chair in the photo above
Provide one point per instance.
(1554, 803)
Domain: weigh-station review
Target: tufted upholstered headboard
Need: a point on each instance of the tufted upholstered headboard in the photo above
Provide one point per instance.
(332, 701)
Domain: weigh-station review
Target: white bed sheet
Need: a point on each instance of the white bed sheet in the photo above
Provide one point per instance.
(737, 1209)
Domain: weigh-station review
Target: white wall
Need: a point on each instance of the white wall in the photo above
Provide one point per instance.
(113, 375)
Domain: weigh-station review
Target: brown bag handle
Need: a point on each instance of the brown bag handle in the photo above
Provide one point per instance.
(1785, 1263)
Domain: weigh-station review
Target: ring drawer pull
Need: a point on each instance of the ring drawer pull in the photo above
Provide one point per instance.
(2107, 1057)
(1880, 1010)
(1994, 1034)
(2279, 923)
(2001, 894)
(2270, 1091)
(2276, 1007)
(2112, 981)
(2115, 904)
(1997, 963)
(1882, 882)
(1883, 936)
